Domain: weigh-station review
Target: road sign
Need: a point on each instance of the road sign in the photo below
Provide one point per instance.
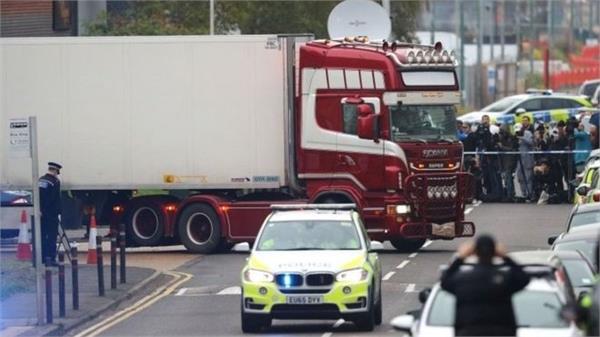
(19, 138)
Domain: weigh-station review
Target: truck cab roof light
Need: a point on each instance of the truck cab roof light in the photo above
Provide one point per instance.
(436, 57)
(419, 57)
(427, 57)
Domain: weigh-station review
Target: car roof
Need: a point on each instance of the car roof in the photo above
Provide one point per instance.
(591, 81)
(585, 208)
(587, 232)
(306, 215)
(535, 284)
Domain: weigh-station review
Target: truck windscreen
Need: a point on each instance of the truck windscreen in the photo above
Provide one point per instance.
(422, 122)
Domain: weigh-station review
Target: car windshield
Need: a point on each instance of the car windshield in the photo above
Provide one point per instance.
(579, 273)
(590, 88)
(585, 218)
(533, 309)
(427, 122)
(309, 235)
(502, 105)
(586, 247)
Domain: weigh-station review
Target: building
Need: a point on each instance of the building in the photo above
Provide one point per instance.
(22, 18)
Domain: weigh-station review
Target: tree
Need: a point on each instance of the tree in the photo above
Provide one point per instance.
(245, 17)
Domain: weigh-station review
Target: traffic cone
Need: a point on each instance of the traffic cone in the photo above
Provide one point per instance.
(24, 245)
(92, 257)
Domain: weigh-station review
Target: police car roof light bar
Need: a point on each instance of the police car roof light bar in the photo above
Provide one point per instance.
(291, 207)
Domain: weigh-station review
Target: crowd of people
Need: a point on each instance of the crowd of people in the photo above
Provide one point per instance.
(544, 157)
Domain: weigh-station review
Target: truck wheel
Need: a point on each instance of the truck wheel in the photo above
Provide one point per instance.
(145, 225)
(199, 229)
(407, 245)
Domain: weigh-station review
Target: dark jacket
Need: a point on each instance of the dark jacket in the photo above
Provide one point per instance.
(508, 143)
(50, 203)
(484, 297)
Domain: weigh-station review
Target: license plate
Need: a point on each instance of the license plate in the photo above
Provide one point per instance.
(304, 299)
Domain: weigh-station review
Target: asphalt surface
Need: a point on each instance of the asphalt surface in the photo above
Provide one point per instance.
(209, 303)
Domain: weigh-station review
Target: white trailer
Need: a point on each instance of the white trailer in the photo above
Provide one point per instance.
(148, 112)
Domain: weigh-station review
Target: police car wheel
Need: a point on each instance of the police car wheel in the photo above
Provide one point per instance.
(199, 229)
(145, 224)
(253, 322)
(378, 309)
(407, 245)
(367, 321)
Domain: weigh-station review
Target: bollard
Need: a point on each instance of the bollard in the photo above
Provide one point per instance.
(32, 240)
(48, 291)
(113, 262)
(122, 251)
(100, 266)
(75, 278)
(61, 284)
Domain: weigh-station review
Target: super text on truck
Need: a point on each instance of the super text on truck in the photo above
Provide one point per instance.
(191, 139)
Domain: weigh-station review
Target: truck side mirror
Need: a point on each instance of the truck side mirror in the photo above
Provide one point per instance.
(367, 122)
(552, 239)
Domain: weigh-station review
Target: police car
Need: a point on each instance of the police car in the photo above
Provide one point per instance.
(311, 262)
(539, 105)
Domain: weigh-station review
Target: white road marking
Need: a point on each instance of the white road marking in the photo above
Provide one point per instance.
(178, 279)
(230, 291)
(468, 210)
(327, 334)
(181, 291)
(410, 288)
(388, 275)
(412, 255)
(427, 243)
(403, 264)
(338, 323)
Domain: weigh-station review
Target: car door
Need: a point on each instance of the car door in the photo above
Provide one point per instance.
(531, 107)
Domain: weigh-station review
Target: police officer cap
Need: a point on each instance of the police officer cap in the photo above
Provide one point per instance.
(53, 165)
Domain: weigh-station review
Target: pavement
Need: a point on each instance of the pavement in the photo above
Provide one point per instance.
(146, 269)
(208, 304)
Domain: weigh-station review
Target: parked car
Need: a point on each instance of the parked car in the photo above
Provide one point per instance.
(584, 181)
(537, 311)
(12, 204)
(584, 240)
(577, 268)
(544, 106)
(588, 88)
(582, 215)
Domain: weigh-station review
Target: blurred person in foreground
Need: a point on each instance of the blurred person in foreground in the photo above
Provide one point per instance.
(484, 292)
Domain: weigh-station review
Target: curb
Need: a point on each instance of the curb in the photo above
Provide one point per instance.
(62, 328)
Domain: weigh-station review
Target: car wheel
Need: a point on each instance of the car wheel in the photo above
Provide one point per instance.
(367, 321)
(252, 323)
(379, 309)
(199, 229)
(407, 245)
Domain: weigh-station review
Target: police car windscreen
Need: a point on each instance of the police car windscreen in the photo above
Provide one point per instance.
(309, 235)
(502, 105)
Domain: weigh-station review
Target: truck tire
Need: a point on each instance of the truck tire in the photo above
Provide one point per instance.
(199, 229)
(145, 224)
(407, 245)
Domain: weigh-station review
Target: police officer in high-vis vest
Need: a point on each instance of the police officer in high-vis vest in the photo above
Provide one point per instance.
(49, 186)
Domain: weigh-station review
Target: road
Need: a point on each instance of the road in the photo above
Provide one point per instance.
(209, 303)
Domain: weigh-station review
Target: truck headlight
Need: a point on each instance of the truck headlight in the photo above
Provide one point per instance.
(352, 275)
(253, 275)
(402, 209)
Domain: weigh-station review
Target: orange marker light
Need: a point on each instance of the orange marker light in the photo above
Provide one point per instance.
(170, 208)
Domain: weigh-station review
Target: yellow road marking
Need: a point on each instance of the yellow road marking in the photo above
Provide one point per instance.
(178, 279)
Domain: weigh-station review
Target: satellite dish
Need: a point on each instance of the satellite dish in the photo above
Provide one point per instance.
(359, 18)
